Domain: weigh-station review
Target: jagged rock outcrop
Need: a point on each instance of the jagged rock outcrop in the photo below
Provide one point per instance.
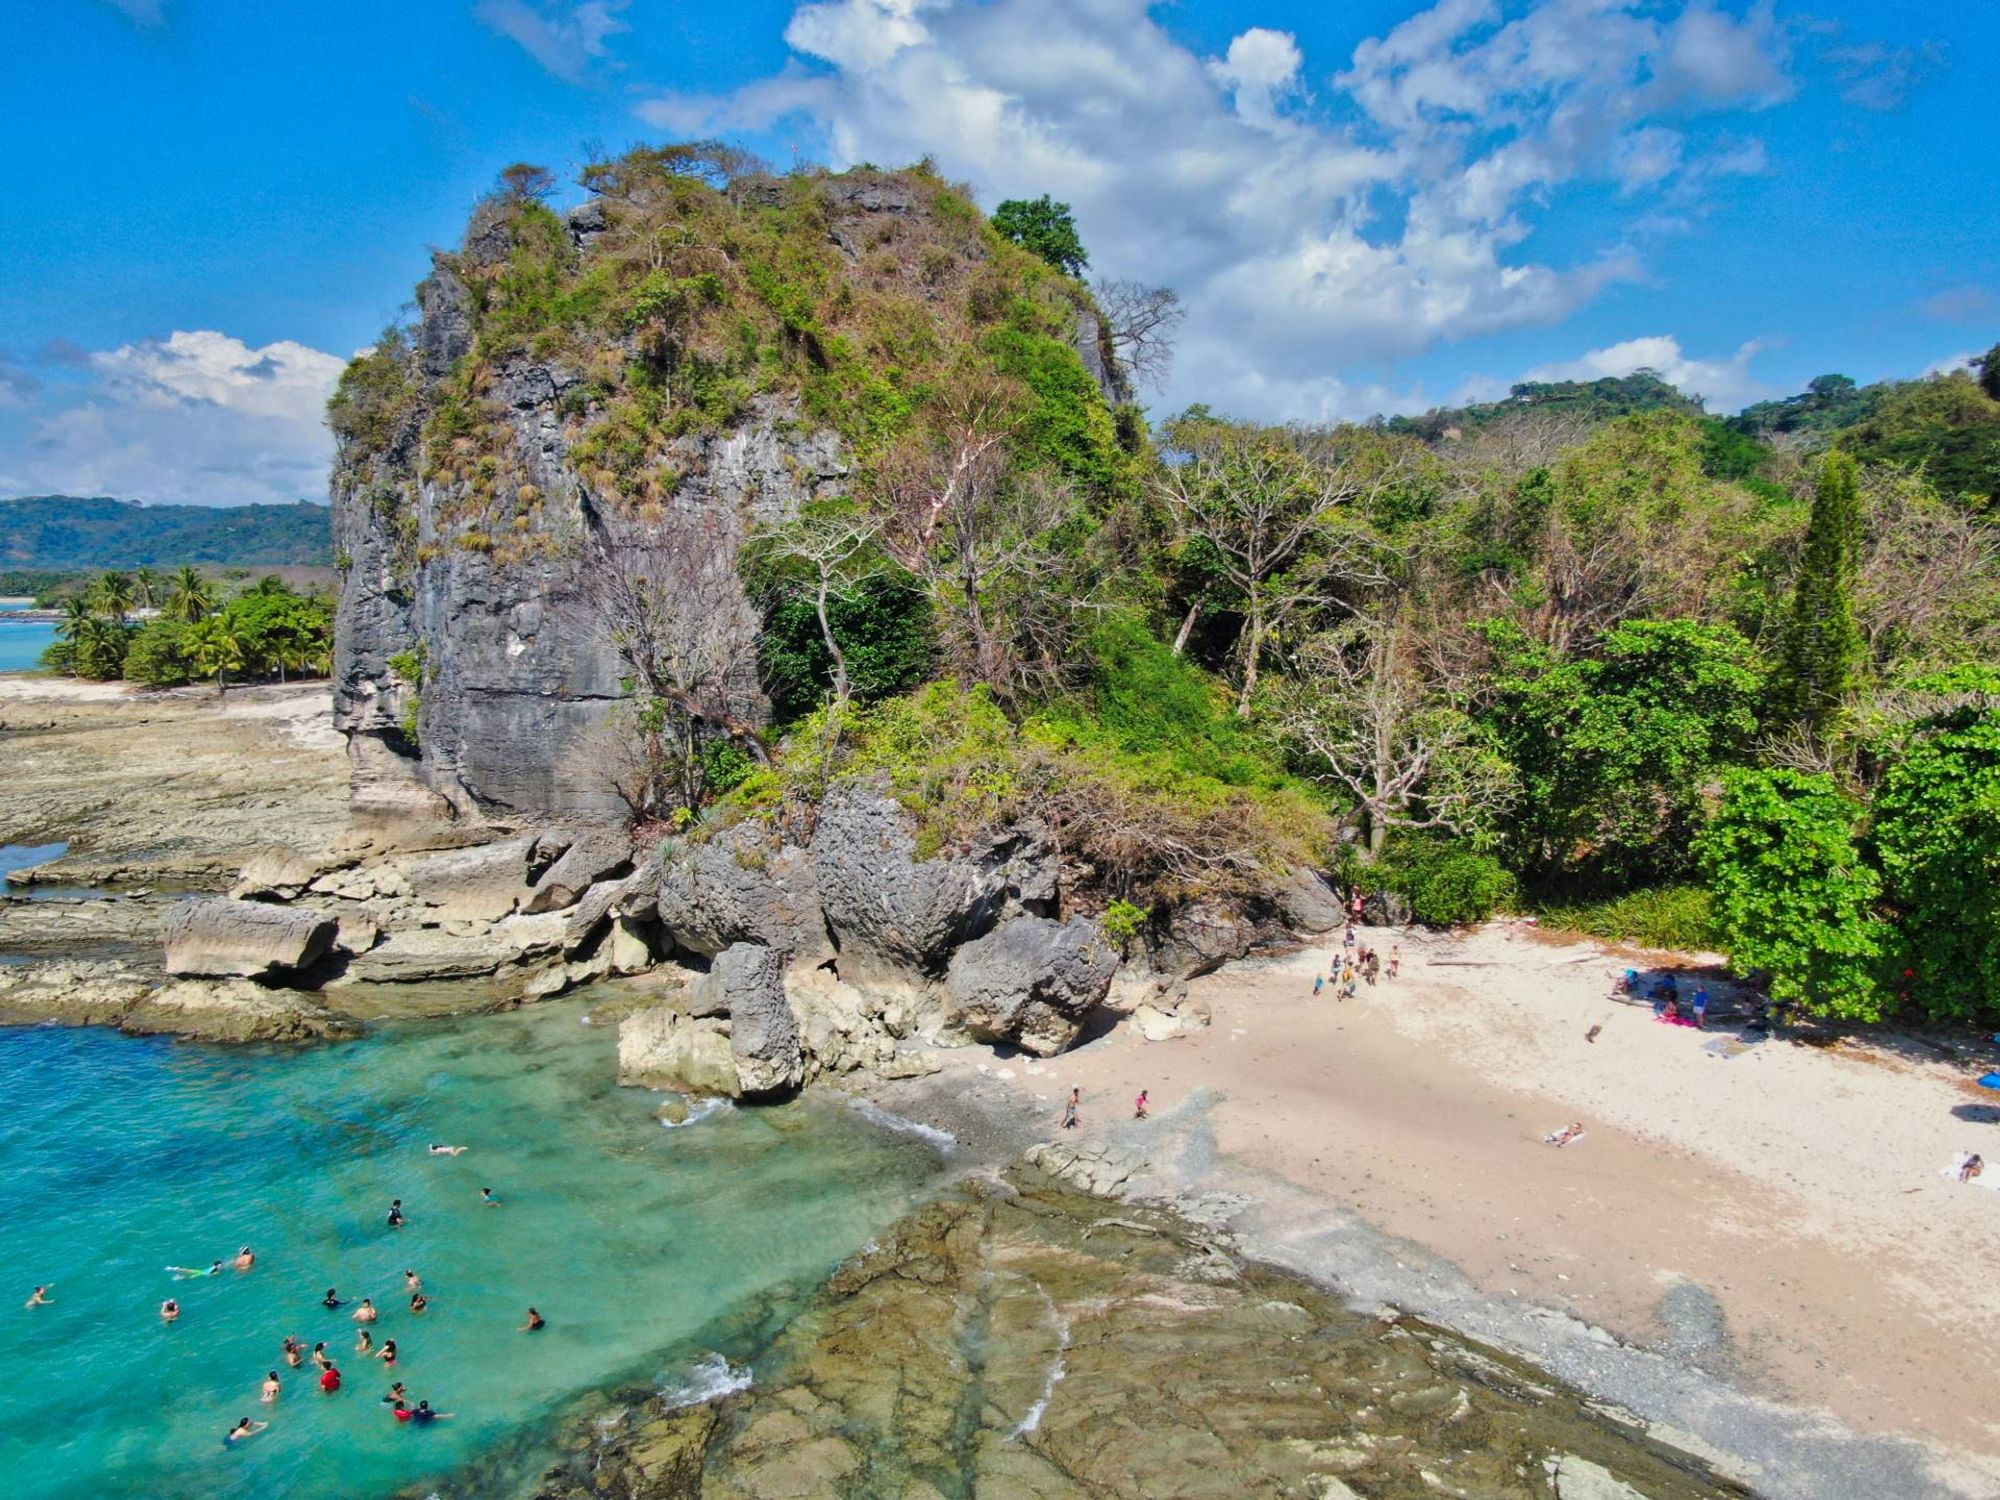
(224, 937)
(896, 916)
(590, 856)
(480, 884)
(747, 981)
(1031, 981)
(741, 886)
(662, 1047)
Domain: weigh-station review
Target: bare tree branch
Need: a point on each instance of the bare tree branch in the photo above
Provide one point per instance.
(1141, 321)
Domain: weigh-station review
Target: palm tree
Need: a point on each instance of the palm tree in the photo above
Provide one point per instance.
(192, 598)
(216, 651)
(74, 627)
(151, 587)
(114, 595)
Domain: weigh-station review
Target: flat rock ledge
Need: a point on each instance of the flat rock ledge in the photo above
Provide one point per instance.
(107, 993)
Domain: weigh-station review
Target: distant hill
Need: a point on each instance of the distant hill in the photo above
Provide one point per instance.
(1593, 400)
(70, 531)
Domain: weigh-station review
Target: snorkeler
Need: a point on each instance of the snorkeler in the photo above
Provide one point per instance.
(442, 1150)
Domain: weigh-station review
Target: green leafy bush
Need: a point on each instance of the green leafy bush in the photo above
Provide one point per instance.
(1446, 884)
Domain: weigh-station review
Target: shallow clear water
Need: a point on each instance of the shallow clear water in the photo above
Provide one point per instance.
(120, 1157)
(22, 641)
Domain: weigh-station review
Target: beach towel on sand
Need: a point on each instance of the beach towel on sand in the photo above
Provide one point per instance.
(1987, 1179)
(1726, 1047)
(1990, 1081)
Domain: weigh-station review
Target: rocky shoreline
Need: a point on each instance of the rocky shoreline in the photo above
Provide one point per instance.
(1024, 1337)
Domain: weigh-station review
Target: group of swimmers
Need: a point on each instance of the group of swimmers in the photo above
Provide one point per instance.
(365, 1314)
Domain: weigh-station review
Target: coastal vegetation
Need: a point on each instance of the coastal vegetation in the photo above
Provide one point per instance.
(67, 533)
(166, 632)
(1587, 650)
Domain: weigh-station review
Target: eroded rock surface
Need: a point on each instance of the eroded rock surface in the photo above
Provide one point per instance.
(1031, 981)
(224, 937)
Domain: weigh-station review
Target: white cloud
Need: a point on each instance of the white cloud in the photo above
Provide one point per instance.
(1311, 237)
(1725, 384)
(568, 40)
(1952, 363)
(1958, 304)
(1875, 76)
(198, 417)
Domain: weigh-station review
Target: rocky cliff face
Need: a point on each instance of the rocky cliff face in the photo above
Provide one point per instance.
(474, 657)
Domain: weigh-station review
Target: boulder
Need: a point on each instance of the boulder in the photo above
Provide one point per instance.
(627, 948)
(1308, 903)
(843, 1026)
(357, 932)
(741, 886)
(1166, 1019)
(234, 1010)
(659, 1047)
(483, 883)
(893, 914)
(363, 883)
(747, 980)
(1205, 934)
(1031, 981)
(218, 936)
(275, 872)
(591, 856)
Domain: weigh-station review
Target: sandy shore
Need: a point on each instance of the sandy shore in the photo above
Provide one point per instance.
(1771, 1222)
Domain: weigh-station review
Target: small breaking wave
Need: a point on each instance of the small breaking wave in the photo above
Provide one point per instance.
(697, 1111)
(941, 1141)
(708, 1379)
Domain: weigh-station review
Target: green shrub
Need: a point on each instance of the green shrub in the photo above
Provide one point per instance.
(1667, 916)
(1446, 884)
(160, 655)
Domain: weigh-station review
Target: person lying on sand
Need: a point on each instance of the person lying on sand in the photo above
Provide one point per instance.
(438, 1149)
(1564, 1136)
(39, 1299)
(1970, 1166)
(243, 1429)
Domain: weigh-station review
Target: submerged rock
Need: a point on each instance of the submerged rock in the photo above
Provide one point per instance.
(1032, 982)
(217, 936)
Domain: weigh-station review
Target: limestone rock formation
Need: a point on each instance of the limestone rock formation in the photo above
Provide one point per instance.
(223, 937)
(661, 1047)
(235, 1010)
(276, 872)
(1031, 981)
(747, 982)
(483, 883)
(741, 886)
(895, 915)
(592, 856)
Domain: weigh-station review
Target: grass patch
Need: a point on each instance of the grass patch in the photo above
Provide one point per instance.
(1668, 916)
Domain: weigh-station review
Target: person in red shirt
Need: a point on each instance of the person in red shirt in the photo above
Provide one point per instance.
(402, 1412)
(329, 1379)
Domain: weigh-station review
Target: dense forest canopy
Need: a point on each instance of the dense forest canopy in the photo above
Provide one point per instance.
(1589, 648)
(63, 532)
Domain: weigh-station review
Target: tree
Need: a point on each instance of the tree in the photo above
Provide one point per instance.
(215, 650)
(1272, 505)
(1936, 835)
(1988, 366)
(1822, 648)
(1616, 751)
(150, 587)
(524, 182)
(190, 599)
(1792, 895)
(1141, 321)
(837, 548)
(73, 627)
(1045, 228)
(159, 657)
(113, 593)
(1357, 707)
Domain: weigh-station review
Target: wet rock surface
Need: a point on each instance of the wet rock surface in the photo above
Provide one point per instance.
(1024, 1339)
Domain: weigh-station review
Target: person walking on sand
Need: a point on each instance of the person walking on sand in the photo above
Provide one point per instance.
(1071, 1107)
(1140, 1105)
(1395, 959)
(1319, 983)
(40, 1297)
(272, 1389)
(1347, 984)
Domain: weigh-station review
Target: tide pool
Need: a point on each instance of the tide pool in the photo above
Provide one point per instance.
(643, 1246)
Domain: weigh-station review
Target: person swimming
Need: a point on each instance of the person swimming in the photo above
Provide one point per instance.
(243, 1429)
(189, 1273)
(40, 1297)
(423, 1414)
(169, 1310)
(395, 1396)
(272, 1388)
(486, 1197)
(366, 1343)
(332, 1300)
(438, 1149)
(366, 1312)
(295, 1352)
(245, 1258)
(396, 1213)
(329, 1380)
(418, 1302)
(387, 1353)
(412, 1281)
(320, 1358)
(536, 1322)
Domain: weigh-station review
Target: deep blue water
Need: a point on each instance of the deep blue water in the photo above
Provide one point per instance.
(121, 1157)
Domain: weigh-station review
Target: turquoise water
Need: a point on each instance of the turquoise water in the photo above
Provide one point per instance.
(22, 641)
(119, 1157)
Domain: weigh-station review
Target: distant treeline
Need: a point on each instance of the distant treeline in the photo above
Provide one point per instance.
(66, 532)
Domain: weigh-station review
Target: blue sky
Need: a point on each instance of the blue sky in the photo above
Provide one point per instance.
(1366, 206)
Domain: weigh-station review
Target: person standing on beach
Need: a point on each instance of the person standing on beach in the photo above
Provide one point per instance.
(1395, 959)
(1140, 1105)
(1069, 1110)
(1319, 983)
(1701, 1010)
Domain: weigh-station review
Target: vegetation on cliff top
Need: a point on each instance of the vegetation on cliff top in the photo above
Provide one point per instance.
(1587, 646)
